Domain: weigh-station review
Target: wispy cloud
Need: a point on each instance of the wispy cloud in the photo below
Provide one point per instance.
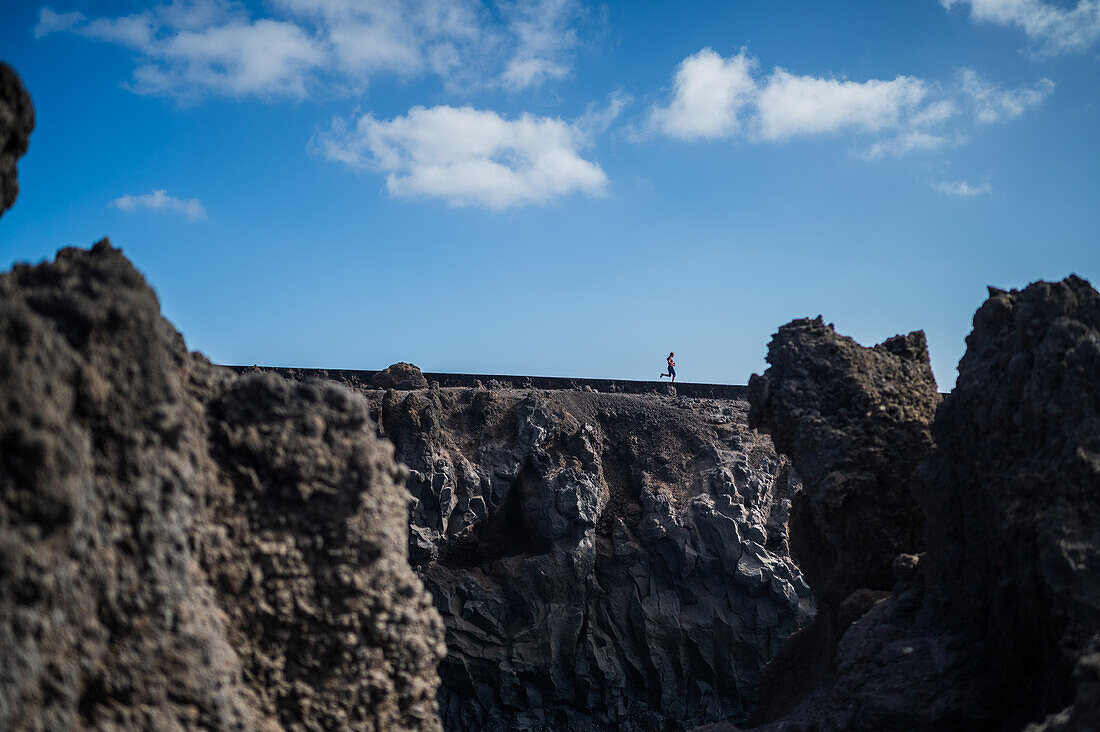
(909, 142)
(714, 97)
(159, 200)
(962, 189)
(545, 38)
(1051, 28)
(190, 48)
(468, 156)
(993, 103)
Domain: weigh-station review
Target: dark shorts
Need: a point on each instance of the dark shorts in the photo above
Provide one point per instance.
(671, 370)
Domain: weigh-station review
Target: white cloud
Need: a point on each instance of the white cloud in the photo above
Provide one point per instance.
(714, 97)
(189, 48)
(192, 47)
(792, 105)
(467, 156)
(262, 57)
(993, 103)
(159, 200)
(401, 37)
(962, 189)
(708, 93)
(1053, 28)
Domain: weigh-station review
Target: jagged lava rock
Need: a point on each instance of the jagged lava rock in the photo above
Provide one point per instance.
(995, 627)
(181, 548)
(16, 124)
(855, 422)
(601, 561)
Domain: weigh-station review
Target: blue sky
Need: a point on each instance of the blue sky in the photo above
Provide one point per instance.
(550, 187)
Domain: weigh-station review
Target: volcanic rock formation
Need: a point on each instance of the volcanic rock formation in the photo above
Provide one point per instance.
(996, 624)
(16, 123)
(855, 422)
(182, 548)
(600, 561)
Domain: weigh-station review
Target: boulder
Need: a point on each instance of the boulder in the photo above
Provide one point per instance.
(403, 376)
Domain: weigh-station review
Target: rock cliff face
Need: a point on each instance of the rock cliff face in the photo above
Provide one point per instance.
(995, 625)
(182, 548)
(599, 560)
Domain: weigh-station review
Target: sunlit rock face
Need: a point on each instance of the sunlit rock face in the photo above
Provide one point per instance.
(600, 560)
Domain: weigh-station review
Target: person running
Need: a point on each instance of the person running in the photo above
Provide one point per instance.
(671, 368)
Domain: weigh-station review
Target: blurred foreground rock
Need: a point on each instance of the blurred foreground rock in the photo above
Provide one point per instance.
(16, 123)
(182, 548)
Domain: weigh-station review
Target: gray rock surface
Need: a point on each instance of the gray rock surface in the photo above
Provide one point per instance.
(995, 625)
(601, 561)
(16, 123)
(181, 548)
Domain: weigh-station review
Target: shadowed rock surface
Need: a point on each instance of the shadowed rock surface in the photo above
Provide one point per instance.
(184, 548)
(855, 422)
(995, 625)
(16, 123)
(601, 561)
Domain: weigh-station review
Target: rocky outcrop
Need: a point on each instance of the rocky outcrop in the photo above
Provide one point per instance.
(16, 123)
(855, 422)
(995, 625)
(401, 375)
(601, 561)
(1012, 495)
(181, 548)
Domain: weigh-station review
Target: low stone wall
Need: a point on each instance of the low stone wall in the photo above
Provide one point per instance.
(362, 380)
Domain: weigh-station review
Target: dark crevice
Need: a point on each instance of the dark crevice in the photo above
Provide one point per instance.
(624, 485)
(504, 534)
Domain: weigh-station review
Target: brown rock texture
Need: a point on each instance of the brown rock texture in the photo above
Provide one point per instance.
(995, 625)
(181, 548)
(16, 124)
